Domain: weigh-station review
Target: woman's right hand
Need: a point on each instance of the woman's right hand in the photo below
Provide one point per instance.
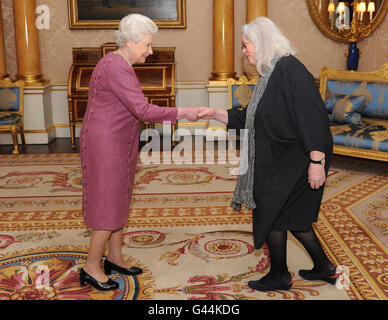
(215, 114)
(207, 113)
(188, 113)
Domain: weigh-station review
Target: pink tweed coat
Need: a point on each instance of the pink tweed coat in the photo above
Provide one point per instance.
(109, 141)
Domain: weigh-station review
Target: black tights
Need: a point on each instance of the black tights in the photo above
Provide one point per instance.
(277, 246)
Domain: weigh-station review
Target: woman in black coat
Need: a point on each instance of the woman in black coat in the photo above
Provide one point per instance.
(284, 168)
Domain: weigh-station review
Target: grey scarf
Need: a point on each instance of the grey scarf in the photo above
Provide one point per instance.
(243, 192)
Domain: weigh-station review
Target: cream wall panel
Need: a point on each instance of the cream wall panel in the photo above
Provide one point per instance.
(315, 49)
(218, 99)
(34, 109)
(194, 44)
(192, 94)
(46, 112)
(60, 105)
(38, 115)
(60, 111)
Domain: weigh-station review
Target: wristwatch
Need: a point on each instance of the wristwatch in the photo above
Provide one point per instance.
(322, 161)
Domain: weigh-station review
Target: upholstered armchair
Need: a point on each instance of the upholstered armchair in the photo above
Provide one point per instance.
(240, 92)
(357, 106)
(11, 110)
(239, 95)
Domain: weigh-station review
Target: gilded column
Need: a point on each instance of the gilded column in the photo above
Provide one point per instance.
(27, 43)
(223, 40)
(3, 62)
(256, 8)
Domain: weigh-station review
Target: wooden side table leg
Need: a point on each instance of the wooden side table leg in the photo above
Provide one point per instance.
(72, 133)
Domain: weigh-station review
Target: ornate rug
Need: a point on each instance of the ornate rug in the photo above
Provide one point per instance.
(191, 244)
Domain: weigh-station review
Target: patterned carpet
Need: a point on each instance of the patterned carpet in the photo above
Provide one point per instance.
(183, 233)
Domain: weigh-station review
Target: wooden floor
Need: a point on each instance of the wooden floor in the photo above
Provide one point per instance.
(59, 145)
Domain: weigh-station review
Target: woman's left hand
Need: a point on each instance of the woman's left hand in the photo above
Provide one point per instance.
(316, 175)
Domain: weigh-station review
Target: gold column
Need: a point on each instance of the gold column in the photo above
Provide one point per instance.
(223, 40)
(256, 8)
(3, 63)
(27, 43)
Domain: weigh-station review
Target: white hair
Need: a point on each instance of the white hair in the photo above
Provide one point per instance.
(268, 41)
(134, 27)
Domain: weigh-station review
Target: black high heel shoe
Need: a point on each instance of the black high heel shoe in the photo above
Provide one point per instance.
(310, 275)
(110, 266)
(270, 285)
(84, 278)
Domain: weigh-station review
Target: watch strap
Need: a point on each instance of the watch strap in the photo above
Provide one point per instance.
(322, 161)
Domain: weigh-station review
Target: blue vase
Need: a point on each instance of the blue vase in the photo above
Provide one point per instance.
(353, 56)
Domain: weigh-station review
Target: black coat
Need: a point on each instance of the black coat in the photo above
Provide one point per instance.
(291, 120)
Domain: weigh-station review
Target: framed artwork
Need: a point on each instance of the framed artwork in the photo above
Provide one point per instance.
(106, 14)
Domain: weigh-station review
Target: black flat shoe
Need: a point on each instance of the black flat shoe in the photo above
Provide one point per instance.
(279, 285)
(84, 278)
(310, 275)
(110, 266)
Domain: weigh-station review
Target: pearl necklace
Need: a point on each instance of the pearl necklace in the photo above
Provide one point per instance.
(122, 54)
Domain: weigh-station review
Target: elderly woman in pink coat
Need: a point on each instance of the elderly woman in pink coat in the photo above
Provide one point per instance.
(109, 147)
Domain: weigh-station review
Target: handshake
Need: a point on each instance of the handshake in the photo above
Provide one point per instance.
(194, 114)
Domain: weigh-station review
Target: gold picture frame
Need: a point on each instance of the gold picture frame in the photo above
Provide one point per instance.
(106, 14)
(320, 19)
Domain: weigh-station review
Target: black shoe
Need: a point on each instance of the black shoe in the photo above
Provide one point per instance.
(311, 275)
(110, 266)
(84, 278)
(270, 286)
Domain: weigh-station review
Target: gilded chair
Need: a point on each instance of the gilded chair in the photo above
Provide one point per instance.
(239, 94)
(11, 110)
(361, 128)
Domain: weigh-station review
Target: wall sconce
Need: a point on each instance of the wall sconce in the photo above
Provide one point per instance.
(341, 7)
(361, 8)
(331, 9)
(345, 25)
(371, 9)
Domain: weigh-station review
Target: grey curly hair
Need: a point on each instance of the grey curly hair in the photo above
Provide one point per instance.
(134, 27)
